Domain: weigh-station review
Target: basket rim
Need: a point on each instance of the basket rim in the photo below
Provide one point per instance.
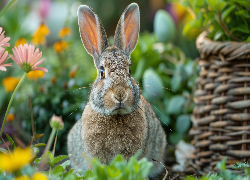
(224, 51)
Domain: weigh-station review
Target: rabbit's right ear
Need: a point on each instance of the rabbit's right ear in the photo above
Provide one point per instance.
(92, 32)
(127, 30)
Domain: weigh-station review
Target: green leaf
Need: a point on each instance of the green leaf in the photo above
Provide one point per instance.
(189, 26)
(58, 159)
(211, 2)
(164, 26)
(50, 157)
(180, 75)
(65, 164)
(37, 160)
(145, 167)
(71, 177)
(248, 40)
(140, 69)
(175, 137)
(241, 28)
(226, 12)
(243, 13)
(10, 139)
(191, 178)
(152, 85)
(58, 170)
(4, 151)
(38, 145)
(220, 6)
(80, 173)
(183, 123)
(28, 170)
(176, 104)
(176, 82)
(243, 3)
(217, 4)
(218, 35)
(222, 164)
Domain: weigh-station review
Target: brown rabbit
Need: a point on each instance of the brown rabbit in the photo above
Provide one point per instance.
(117, 119)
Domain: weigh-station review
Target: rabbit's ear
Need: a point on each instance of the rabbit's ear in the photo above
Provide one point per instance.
(92, 31)
(127, 30)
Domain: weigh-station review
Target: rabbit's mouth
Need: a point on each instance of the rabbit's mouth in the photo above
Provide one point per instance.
(119, 105)
(120, 108)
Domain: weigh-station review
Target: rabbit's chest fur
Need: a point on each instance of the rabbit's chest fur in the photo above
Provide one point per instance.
(106, 136)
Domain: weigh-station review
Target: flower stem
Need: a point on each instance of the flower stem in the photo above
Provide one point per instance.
(55, 144)
(52, 135)
(10, 102)
(6, 7)
(222, 24)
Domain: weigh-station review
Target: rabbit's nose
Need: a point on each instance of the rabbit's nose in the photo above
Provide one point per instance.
(120, 94)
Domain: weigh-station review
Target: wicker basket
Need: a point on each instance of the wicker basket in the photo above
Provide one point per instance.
(221, 118)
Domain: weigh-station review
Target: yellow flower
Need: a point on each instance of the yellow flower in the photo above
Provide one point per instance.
(65, 31)
(179, 10)
(25, 177)
(193, 32)
(10, 83)
(39, 176)
(21, 41)
(60, 46)
(35, 74)
(15, 160)
(10, 117)
(39, 35)
(36, 40)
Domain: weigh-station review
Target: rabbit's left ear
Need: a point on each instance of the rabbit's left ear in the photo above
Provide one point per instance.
(92, 32)
(127, 30)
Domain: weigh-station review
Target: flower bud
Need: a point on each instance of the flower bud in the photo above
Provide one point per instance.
(56, 122)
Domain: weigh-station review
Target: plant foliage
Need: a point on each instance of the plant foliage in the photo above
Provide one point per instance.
(223, 19)
(227, 174)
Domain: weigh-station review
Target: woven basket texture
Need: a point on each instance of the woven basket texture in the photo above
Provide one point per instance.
(221, 117)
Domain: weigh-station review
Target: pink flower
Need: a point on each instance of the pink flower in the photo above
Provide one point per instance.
(3, 41)
(3, 58)
(27, 59)
(44, 8)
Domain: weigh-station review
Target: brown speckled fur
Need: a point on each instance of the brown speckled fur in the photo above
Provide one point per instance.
(117, 119)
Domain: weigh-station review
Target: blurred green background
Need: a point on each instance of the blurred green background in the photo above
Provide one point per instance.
(163, 61)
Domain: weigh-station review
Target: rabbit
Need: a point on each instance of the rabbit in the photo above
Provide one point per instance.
(117, 119)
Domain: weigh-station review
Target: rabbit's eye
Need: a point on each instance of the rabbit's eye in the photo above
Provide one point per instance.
(102, 73)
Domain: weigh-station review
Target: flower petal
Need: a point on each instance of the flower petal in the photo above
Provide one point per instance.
(38, 63)
(41, 69)
(2, 68)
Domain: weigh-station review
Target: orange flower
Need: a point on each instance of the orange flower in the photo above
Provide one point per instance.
(60, 46)
(10, 117)
(20, 41)
(27, 59)
(41, 89)
(65, 31)
(35, 74)
(39, 35)
(53, 80)
(72, 74)
(10, 83)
